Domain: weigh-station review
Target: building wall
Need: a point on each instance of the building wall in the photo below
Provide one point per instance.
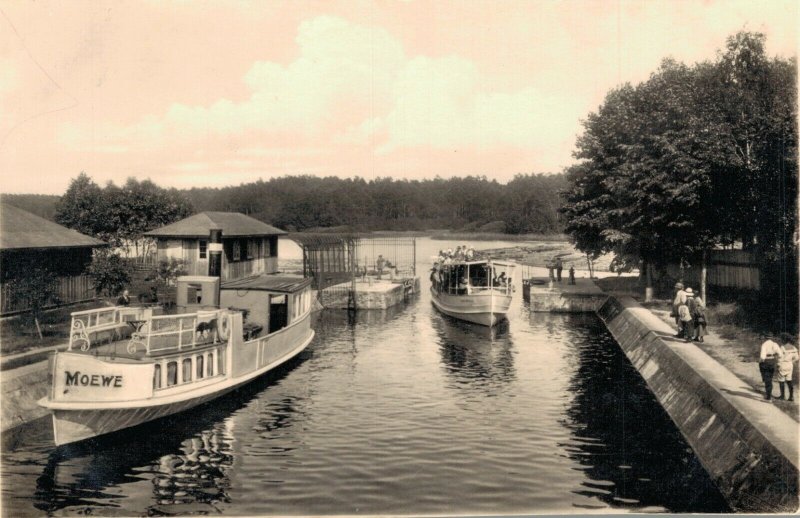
(241, 257)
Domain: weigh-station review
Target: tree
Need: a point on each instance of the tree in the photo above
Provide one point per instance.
(109, 272)
(82, 206)
(38, 288)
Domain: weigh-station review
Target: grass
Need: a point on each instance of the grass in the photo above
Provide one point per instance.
(18, 334)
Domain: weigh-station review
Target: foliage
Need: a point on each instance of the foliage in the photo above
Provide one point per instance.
(692, 158)
(109, 272)
(38, 287)
(119, 215)
(170, 269)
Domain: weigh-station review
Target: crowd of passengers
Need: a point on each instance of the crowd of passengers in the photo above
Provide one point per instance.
(448, 275)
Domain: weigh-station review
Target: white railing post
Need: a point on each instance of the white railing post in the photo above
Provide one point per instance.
(180, 333)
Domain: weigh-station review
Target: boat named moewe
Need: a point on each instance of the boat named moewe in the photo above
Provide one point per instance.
(169, 363)
(476, 291)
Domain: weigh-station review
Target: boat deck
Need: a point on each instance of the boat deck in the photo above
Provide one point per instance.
(118, 349)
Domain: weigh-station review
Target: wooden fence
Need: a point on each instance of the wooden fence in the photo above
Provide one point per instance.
(737, 269)
(71, 288)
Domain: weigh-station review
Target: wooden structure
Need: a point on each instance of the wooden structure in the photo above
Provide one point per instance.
(731, 269)
(341, 265)
(27, 239)
(250, 247)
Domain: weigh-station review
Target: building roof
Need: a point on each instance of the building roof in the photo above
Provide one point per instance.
(279, 283)
(19, 229)
(232, 224)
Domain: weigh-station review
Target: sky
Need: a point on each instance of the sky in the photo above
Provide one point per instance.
(223, 92)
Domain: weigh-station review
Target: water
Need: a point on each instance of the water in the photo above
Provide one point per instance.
(403, 411)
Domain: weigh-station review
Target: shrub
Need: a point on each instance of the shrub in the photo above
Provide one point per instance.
(170, 269)
(109, 272)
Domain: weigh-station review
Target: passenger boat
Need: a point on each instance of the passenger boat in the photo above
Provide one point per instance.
(474, 291)
(171, 363)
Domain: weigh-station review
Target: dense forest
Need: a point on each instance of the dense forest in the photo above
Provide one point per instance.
(526, 204)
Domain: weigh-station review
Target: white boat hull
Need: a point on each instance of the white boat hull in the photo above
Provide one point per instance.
(82, 422)
(486, 309)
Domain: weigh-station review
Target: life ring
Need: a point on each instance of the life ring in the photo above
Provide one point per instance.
(224, 326)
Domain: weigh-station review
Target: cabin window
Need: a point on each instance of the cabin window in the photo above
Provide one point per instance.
(199, 362)
(172, 373)
(157, 376)
(260, 248)
(278, 314)
(210, 365)
(187, 370)
(194, 293)
(250, 246)
(237, 250)
(202, 249)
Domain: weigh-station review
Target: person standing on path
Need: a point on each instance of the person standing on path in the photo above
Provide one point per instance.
(767, 360)
(571, 274)
(786, 365)
(699, 318)
(680, 299)
(559, 268)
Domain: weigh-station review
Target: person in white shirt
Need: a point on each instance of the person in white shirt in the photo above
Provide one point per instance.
(680, 299)
(786, 365)
(768, 358)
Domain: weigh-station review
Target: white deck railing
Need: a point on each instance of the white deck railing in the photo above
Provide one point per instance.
(88, 324)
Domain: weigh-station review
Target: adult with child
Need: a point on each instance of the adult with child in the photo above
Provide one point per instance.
(685, 317)
(680, 298)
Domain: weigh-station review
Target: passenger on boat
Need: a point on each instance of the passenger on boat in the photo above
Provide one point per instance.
(470, 254)
(124, 299)
(501, 279)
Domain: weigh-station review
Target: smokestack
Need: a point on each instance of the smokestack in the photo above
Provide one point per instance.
(215, 253)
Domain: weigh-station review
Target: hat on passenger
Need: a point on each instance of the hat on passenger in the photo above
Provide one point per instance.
(689, 291)
(679, 285)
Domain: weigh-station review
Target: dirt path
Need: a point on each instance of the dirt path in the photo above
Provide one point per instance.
(740, 358)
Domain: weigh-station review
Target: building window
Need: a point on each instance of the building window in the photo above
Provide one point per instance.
(237, 250)
(202, 249)
(249, 243)
(273, 246)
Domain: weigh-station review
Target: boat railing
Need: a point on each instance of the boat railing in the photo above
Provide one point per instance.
(89, 324)
(179, 332)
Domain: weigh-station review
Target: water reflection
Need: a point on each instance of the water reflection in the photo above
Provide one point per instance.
(475, 354)
(188, 454)
(627, 443)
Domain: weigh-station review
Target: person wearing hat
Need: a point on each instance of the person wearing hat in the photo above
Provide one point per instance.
(786, 365)
(680, 298)
(768, 359)
(685, 317)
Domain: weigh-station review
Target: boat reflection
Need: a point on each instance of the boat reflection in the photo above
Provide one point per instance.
(188, 455)
(625, 462)
(475, 354)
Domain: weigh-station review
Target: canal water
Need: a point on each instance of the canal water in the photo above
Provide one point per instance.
(394, 412)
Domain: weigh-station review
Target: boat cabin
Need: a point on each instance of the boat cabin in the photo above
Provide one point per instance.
(471, 277)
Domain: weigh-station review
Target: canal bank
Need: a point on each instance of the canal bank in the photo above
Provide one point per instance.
(747, 445)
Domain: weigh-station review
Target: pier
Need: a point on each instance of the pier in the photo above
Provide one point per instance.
(545, 295)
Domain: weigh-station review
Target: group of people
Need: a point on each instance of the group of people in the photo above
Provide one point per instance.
(778, 358)
(689, 311)
(558, 266)
(461, 253)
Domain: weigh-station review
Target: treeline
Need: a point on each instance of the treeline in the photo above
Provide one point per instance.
(693, 158)
(43, 205)
(527, 203)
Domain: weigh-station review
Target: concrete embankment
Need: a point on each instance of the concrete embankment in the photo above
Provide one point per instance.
(21, 388)
(747, 445)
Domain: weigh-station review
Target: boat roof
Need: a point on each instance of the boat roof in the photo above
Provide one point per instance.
(480, 261)
(279, 283)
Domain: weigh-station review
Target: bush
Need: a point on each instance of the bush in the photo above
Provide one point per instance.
(109, 272)
(38, 288)
(494, 226)
(170, 269)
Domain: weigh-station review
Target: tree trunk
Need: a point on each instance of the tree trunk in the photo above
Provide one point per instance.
(703, 276)
(38, 327)
(648, 289)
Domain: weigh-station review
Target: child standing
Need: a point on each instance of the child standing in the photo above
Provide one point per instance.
(786, 365)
